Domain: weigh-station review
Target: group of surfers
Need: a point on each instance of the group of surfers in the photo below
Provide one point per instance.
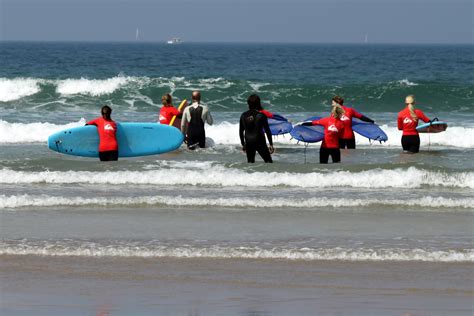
(254, 130)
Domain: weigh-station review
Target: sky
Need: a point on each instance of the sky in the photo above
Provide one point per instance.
(311, 21)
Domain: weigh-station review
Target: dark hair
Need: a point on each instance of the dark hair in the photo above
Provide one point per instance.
(254, 102)
(106, 112)
(166, 99)
(338, 100)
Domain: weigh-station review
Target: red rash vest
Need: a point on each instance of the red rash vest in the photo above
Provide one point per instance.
(407, 123)
(107, 134)
(266, 113)
(167, 113)
(333, 130)
(346, 118)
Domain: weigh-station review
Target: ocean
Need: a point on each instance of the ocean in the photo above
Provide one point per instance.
(204, 232)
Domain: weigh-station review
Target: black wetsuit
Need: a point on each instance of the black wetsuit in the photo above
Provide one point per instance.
(196, 135)
(252, 129)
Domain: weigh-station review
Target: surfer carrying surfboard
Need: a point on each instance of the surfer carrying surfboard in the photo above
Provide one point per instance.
(168, 111)
(252, 129)
(333, 131)
(348, 138)
(107, 129)
(407, 122)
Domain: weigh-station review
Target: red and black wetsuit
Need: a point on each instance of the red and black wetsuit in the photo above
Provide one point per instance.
(333, 130)
(348, 138)
(408, 124)
(108, 146)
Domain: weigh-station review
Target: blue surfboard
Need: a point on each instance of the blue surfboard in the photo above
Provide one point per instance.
(279, 125)
(433, 127)
(369, 130)
(134, 139)
(308, 134)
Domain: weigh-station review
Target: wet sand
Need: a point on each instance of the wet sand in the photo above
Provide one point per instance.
(32, 285)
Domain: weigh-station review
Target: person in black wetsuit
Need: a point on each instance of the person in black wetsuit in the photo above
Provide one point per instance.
(192, 123)
(252, 129)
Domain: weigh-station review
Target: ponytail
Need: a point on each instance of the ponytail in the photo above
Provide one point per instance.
(410, 102)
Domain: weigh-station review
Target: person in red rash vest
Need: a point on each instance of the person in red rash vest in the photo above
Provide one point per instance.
(333, 131)
(348, 138)
(107, 129)
(407, 122)
(167, 111)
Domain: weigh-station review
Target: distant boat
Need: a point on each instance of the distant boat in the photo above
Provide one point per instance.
(366, 40)
(137, 35)
(174, 40)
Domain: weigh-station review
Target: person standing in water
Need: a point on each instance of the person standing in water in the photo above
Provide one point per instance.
(168, 111)
(348, 138)
(107, 129)
(192, 123)
(252, 129)
(407, 122)
(333, 131)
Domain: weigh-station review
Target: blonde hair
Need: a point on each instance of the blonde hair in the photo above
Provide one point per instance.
(166, 99)
(410, 102)
(337, 111)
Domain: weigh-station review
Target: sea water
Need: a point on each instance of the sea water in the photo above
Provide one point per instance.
(379, 225)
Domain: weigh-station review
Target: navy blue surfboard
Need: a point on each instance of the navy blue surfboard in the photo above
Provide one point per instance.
(369, 130)
(279, 125)
(308, 134)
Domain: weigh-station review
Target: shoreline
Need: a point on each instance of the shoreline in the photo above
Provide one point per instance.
(72, 285)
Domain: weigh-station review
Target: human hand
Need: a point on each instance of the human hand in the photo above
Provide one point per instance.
(244, 148)
(271, 149)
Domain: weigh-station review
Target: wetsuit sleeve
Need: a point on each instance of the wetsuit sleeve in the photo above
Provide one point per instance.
(93, 122)
(317, 122)
(241, 130)
(266, 127)
(366, 119)
(206, 115)
(267, 113)
(184, 121)
(422, 116)
(400, 122)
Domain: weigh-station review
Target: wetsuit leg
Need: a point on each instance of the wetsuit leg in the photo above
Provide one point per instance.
(250, 150)
(411, 143)
(196, 139)
(202, 141)
(111, 155)
(264, 152)
(335, 155)
(348, 143)
(323, 155)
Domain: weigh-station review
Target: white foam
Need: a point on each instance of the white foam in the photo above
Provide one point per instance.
(92, 249)
(427, 202)
(220, 176)
(32, 132)
(406, 82)
(227, 133)
(93, 87)
(17, 88)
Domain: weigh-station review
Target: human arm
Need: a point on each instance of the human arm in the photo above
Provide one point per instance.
(422, 116)
(184, 121)
(206, 115)
(93, 122)
(267, 113)
(400, 123)
(241, 132)
(361, 117)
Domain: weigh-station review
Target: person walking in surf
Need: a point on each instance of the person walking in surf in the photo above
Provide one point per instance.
(107, 129)
(333, 131)
(407, 122)
(252, 129)
(192, 123)
(348, 138)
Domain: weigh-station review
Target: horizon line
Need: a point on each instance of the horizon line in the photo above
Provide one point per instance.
(228, 42)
